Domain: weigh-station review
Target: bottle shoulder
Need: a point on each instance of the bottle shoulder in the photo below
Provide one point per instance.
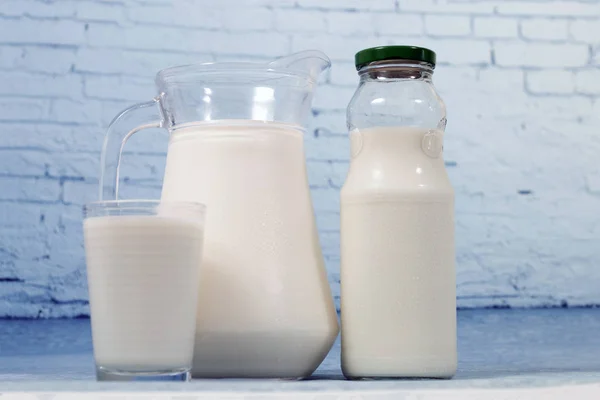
(397, 160)
(404, 102)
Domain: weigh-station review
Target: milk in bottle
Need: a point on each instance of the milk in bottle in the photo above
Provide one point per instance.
(398, 296)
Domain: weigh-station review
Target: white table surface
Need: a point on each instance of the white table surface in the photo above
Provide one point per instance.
(503, 354)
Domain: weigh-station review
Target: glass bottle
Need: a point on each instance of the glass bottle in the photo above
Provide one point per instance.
(398, 290)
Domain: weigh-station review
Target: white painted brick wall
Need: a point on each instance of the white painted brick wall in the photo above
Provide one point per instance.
(521, 80)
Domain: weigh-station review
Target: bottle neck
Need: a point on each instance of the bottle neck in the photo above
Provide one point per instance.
(396, 70)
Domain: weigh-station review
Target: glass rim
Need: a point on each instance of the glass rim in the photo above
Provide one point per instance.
(141, 204)
(184, 74)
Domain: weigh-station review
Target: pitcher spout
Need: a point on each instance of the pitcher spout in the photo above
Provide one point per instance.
(309, 62)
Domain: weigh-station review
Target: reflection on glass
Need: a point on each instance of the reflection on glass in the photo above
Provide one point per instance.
(263, 103)
(207, 104)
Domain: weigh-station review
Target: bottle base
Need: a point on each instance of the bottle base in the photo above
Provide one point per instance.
(379, 371)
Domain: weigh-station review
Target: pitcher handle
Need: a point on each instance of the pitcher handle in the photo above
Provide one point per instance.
(123, 126)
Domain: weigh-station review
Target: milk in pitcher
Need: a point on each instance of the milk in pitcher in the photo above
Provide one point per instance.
(265, 308)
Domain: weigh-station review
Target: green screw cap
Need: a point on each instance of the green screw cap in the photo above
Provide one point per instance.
(394, 52)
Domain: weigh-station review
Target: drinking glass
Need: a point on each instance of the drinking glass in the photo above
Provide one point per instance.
(143, 259)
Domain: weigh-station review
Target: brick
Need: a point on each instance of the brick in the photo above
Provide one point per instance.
(326, 199)
(328, 221)
(106, 61)
(350, 23)
(545, 29)
(550, 81)
(449, 78)
(21, 8)
(330, 244)
(13, 109)
(398, 24)
(10, 56)
(494, 80)
(585, 30)
(132, 62)
(494, 27)
(187, 14)
(447, 7)
(42, 32)
(588, 81)
(267, 3)
(79, 192)
(29, 189)
(75, 111)
(119, 88)
(180, 13)
(20, 216)
(102, 11)
(23, 162)
(344, 74)
(291, 20)
(555, 8)
(540, 54)
(147, 38)
(140, 37)
(576, 107)
(447, 25)
(48, 60)
(49, 137)
(157, 14)
(75, 165)
(379, 5)
(67, 255)
(37, 59)
(28, 84)
(154, 2)
(459, 52)
(32, 218)
(247, 19)
(25, 243)
(266, 44)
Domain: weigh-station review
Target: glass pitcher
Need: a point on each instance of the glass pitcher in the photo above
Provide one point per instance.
(236, 144)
